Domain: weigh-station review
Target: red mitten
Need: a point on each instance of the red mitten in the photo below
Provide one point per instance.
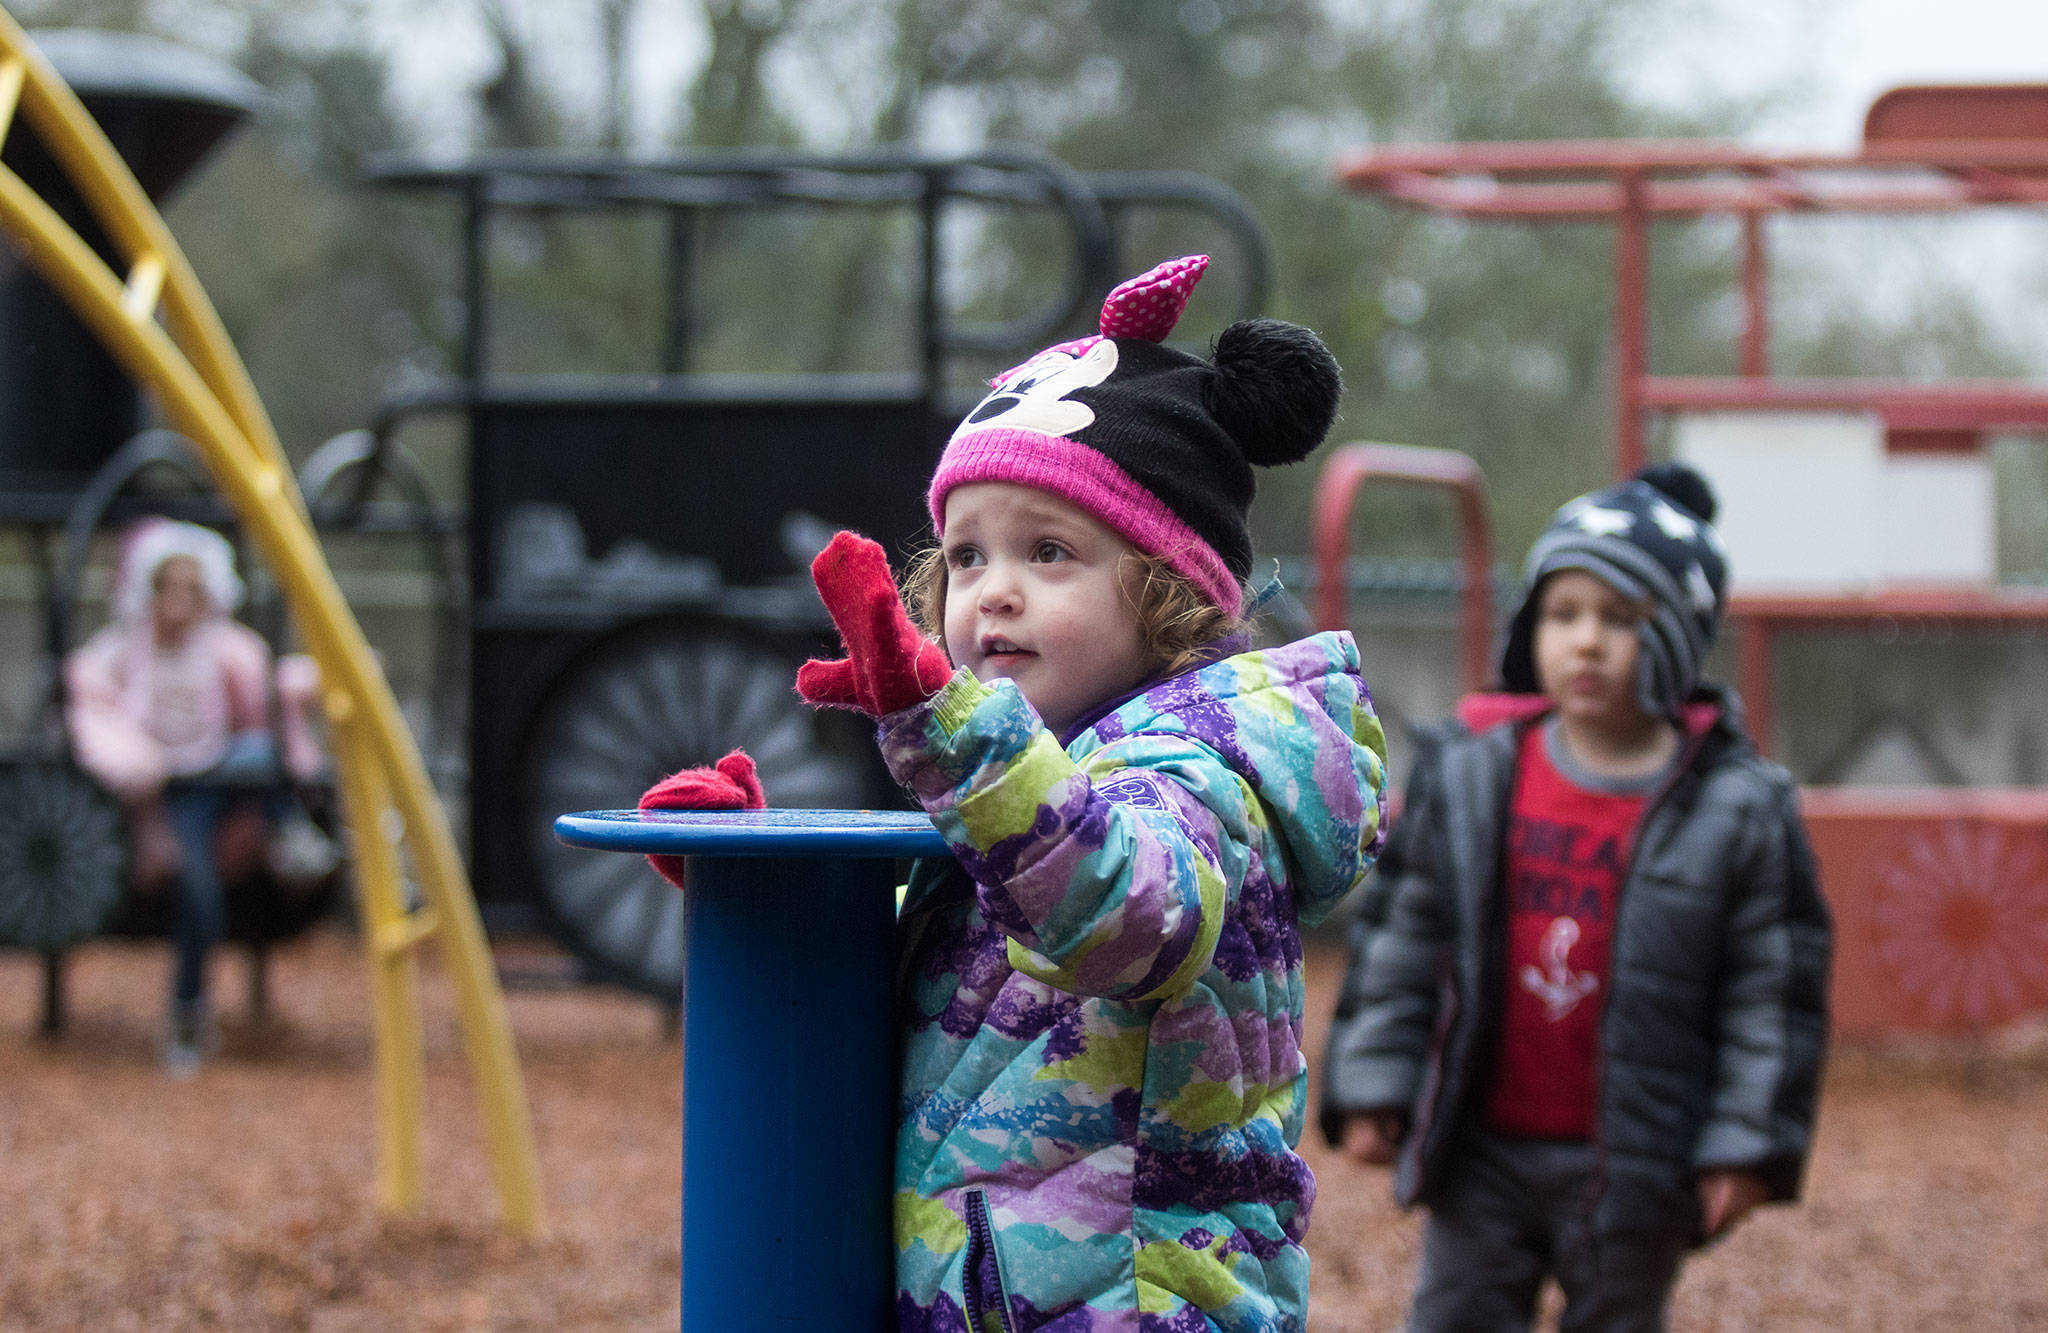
(730, 784)
(888, 665)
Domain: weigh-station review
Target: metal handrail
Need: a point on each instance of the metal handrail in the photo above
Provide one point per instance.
(1125, 191)
(753, 179)
(1348, 468)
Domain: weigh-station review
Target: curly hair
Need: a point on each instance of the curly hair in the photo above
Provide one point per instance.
(1175, 621)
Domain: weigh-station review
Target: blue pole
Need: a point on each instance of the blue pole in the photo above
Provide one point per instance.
(789, 1057)
(788, 1092)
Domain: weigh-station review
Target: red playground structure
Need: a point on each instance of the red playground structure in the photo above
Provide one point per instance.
(1940, 891)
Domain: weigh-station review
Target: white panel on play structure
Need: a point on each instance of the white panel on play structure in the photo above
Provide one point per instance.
(1796, 494)
(1937, 521)
(1810, 502)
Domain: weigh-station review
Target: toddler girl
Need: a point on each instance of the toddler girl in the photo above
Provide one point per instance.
(1100, 990)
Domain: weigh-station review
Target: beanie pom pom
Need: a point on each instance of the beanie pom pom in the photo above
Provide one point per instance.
(1275, 389)
(1682, 485)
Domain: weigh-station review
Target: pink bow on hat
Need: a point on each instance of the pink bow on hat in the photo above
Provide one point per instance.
(1145, 308)
(1149, 305)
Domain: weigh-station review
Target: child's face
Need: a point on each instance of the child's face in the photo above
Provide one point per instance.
(1586, 649)
(178, 596)
(1037, 590)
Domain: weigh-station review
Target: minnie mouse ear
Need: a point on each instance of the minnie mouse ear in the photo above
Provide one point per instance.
(1148, 306)
(1275, 389)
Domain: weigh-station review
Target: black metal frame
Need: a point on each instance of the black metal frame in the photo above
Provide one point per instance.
(1094, 204)
(1095, 207)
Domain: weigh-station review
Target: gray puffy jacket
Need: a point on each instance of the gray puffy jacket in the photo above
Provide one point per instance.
(1716, 1018)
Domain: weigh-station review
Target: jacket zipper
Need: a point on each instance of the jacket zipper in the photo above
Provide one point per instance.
(1691, 751)
(981, 1242)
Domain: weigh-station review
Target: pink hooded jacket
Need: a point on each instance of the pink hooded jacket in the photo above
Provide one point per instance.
(118, 729)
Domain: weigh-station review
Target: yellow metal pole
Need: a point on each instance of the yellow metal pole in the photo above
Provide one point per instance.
(214, 405)
(257, 488)
(13, 73)
(394, 970)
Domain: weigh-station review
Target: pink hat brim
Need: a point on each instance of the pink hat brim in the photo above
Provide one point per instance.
(1087, 478)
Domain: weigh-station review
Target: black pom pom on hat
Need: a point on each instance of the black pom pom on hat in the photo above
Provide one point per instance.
(1683, 486)
(1275, 389)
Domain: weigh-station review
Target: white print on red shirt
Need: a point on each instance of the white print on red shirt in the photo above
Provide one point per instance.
(1555, 983)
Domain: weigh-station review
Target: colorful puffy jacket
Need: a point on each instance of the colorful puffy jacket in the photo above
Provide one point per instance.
(1103, 1081)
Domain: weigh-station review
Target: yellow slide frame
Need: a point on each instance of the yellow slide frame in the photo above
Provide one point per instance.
(388, 803)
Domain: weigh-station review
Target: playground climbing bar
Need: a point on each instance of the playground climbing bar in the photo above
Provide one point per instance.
(189, 363)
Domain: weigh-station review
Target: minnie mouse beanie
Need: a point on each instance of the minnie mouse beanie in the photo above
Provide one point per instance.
(1156, 443)
(1650, 538)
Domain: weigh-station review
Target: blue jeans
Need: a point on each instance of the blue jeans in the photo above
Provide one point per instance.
(195, 805)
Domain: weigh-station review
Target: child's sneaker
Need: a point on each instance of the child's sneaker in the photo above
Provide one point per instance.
(191, 1041)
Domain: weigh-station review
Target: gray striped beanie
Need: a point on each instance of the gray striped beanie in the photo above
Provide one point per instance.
(1650, 538)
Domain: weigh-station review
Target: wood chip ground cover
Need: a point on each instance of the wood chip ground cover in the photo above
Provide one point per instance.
(243, 1198)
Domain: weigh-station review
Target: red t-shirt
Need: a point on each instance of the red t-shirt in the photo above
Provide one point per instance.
(1566, 854)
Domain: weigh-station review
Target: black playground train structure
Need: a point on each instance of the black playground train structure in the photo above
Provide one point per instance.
(621, 585)
(638, 544)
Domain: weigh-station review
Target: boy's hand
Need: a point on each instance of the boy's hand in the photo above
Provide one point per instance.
(1374, 1137)
(1727, 1196)
(888, 665)
(730, 784)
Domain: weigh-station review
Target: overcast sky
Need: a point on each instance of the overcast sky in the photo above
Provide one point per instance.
(1838, 55)
(1884, 43)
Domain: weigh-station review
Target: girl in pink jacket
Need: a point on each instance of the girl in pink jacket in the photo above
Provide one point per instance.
(169, 706)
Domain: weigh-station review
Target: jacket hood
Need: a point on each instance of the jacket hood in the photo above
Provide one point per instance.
(1296, 723)
(154, 540)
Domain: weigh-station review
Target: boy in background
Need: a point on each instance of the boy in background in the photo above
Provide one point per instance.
(1586, 1005)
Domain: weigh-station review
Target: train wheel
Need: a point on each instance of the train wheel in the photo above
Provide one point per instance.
(63, 856)
(634, 709)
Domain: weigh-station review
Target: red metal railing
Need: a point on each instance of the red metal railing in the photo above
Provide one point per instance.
(1759, 619)
(1925, 149)
(1940, 894)
(1349, 468)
